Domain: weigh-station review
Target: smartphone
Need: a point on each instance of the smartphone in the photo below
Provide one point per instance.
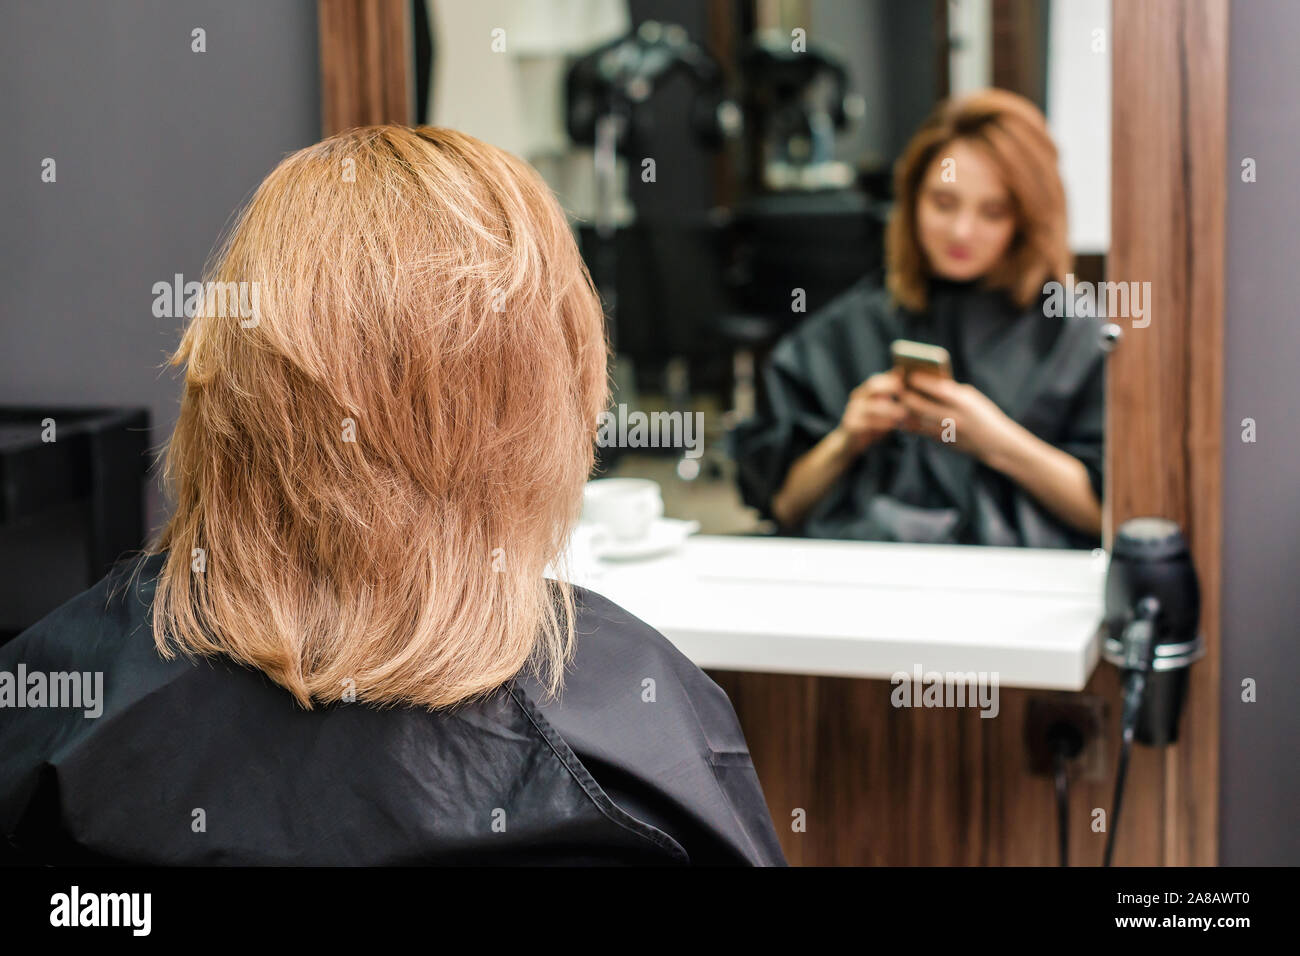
(911, 356)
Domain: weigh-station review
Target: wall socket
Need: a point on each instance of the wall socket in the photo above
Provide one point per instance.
(1083, 714)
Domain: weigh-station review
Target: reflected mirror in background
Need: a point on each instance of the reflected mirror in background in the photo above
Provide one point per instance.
(729, 169)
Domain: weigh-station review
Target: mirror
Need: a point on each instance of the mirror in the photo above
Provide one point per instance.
(801, 349)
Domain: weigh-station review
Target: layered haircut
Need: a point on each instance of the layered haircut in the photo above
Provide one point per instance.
(1013, 133)
(372, 475)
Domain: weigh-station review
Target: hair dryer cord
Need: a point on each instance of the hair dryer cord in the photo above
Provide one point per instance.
(1134, 687)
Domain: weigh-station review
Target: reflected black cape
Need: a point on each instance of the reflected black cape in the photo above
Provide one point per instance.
(210, 763)
(1046, 373)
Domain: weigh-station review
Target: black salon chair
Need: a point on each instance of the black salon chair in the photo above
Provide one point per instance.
(69, 507)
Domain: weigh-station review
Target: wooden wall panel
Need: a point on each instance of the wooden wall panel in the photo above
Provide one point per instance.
(1166, 401)
(365, 62)
(939, 787)
(1019, 59)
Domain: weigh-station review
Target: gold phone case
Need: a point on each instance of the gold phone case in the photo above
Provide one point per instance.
(918, 357)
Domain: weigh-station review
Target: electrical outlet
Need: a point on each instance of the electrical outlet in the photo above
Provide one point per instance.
(1081, 714)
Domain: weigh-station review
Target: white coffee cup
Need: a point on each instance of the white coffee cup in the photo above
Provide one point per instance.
(627, 507)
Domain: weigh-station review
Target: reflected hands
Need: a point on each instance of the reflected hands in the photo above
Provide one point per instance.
(873, 410)
(956, 414)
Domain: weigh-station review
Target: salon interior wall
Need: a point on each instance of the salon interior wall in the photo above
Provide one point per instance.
(1078, 114)
(878, 42)
(155, 145)
(1259, 781)
(899, 88)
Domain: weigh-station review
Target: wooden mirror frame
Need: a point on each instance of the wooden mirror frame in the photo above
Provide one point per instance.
(889, 787)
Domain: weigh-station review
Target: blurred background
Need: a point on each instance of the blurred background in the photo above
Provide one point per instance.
(751, 145)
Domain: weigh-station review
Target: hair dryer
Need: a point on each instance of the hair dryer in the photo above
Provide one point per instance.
(1153, 605)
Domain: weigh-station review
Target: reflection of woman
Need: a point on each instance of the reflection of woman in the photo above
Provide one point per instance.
(1007, 453)
(371, 479)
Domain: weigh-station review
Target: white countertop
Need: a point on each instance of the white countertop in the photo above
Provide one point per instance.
(865, 609)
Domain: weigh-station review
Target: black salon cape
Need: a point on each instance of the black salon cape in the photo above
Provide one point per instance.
(1046, 373)
(211, 763)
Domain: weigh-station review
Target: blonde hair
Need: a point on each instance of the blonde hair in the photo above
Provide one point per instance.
(380, 467)
(1013, 133)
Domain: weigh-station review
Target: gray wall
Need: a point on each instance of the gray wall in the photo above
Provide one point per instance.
(890, 49)
(1259, 772)
(156, 146)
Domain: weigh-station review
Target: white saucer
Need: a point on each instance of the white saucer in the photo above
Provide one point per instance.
(665, 535)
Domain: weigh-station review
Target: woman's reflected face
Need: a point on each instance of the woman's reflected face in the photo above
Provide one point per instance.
(965, 216)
